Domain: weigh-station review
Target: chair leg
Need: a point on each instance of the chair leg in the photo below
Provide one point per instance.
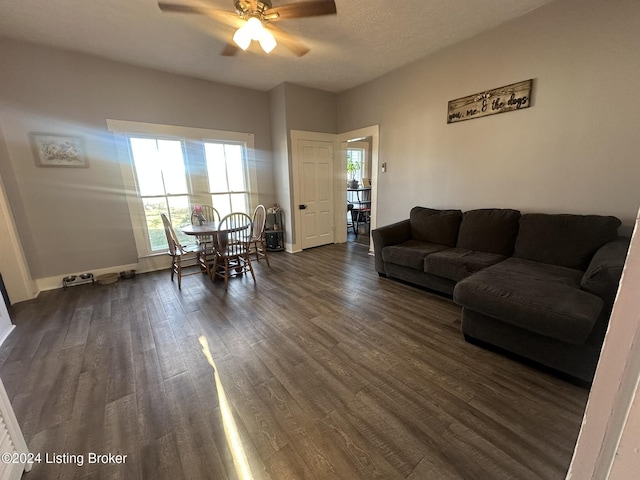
(264, 251)
(255, 245)
(213, 273)
(179, 274)
(354, 222)
(226, 274)
(247, 261)
(204, 264)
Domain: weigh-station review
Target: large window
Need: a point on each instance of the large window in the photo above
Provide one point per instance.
(172, 169)
(162, 184)
(227, 177)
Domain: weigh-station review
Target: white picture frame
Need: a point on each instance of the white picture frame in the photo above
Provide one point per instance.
(51, 150)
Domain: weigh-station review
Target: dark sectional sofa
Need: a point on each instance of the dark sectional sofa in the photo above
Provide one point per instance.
(538, 285)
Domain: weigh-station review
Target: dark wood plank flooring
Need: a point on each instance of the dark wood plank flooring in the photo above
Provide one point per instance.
(322, 370)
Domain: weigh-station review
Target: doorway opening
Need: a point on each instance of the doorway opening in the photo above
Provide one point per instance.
(359, 153)
(359, 190)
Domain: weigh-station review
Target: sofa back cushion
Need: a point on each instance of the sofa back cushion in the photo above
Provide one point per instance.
(489, 230)
(562, 239)
(435, 226)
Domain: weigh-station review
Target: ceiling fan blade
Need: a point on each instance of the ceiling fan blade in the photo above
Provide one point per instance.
(230, 50)
(311, 8)
(173, 7)
(230, 18)
(288, 41)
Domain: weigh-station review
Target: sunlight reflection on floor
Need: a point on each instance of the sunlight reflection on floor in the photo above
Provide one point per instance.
(240, 462)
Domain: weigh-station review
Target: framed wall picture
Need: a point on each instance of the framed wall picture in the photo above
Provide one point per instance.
(58, 150)
(509, 98)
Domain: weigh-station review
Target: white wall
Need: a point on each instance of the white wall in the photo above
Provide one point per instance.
(575, 150)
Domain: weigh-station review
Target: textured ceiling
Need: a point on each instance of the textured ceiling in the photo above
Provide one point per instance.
(366, 39)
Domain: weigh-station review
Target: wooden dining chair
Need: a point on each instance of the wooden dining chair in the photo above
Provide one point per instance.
(232, 252)
(183, 257)
(210, 215)
(256, 244)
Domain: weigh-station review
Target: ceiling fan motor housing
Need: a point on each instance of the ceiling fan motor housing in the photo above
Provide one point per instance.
(243, 7)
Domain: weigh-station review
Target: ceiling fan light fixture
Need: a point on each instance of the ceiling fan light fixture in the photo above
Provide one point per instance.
(267, 41)
(244, 35)
(242, 39)
(254, 30)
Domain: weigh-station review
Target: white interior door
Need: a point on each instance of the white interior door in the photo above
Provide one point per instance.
(316, 193)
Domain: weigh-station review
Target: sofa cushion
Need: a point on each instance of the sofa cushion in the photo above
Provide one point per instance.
(491, 230)
(410, 253)
(562, 239)
(544, 299)
(458, 263)
(435, 226)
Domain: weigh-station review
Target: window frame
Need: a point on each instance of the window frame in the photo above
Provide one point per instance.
(193, 140)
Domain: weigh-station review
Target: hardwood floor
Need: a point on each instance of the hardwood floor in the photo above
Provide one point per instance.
(323, 370)
(362, 239)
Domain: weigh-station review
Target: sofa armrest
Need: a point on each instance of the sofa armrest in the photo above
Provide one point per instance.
(604, 271)
(389, 235)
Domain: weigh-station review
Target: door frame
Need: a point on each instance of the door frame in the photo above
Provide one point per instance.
(17, 277)
(339, 183)
(374, 132)
(296, 136)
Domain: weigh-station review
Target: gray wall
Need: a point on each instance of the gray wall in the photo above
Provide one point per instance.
(310, 109)
(72, 220)
(575, 150)
(280, 154)
(296, 108)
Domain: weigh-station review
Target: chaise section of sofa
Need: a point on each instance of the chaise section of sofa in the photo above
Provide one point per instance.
(540, 286)
(536, 298)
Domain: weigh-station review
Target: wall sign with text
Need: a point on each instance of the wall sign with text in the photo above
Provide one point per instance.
(499, 100)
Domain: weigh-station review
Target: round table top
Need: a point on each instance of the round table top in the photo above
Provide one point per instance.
(209, 228)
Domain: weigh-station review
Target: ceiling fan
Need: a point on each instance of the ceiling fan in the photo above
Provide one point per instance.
(254, 20)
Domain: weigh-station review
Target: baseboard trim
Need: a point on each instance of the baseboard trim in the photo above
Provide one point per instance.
(144, 265)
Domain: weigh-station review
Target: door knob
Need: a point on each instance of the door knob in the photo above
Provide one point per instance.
(302, 207)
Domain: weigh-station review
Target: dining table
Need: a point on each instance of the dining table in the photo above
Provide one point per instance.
(211, 229)
(208, 229)
(205, 229)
